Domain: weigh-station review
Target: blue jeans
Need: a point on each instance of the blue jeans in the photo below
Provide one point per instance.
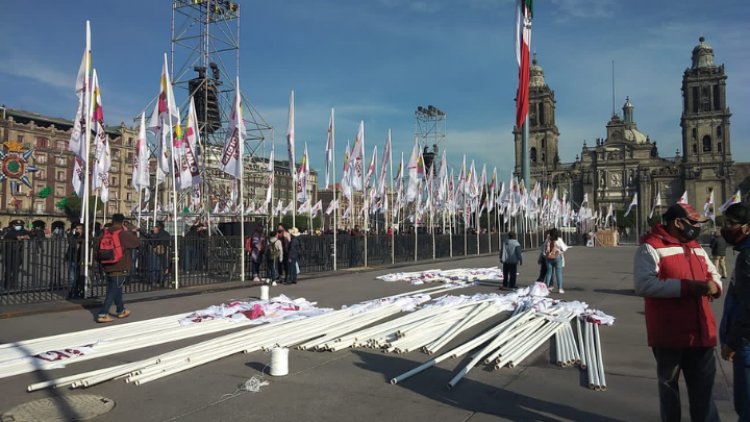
(114, 294)
(156, 268)
(271, 270)
(556, 265)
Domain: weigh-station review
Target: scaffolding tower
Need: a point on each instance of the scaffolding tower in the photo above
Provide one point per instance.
(430, 128)
(205, 61)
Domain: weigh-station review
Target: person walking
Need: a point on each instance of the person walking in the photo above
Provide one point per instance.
(294, 252)
(511, 257)
(112, 250)
(719, 253)
(676, 278)
(734, 330)
(554, 248)
(274, 254)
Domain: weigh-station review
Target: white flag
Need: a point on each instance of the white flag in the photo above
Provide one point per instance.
(140, 161)
(357, 158)
(683, 199)
(231, 156)
(329, 151)
(657, 203)
(708, 207)
(316, 209)
(290, 138)
(189, 172)
(633, 203)
(734, 199)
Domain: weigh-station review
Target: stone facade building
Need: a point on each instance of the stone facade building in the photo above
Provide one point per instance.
(627, 162)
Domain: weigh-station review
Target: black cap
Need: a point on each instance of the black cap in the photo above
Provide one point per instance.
(738, 213)
(16, 223)
(160, 224)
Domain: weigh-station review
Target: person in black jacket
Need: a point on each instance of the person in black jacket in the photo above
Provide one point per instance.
(74, 258)
(159, 241)
(293, 255)
(735, 322)
(718, 253)
(13, 252)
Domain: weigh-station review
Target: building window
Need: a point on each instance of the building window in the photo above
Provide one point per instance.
(696, 99)
(532, 155)
(706, 143)
(695, 133)
(130, 140)
(695, 148)
(130, 181)
(544, 143)
(114, 181)
(717, 98)
(60, 145)
(718, 147)
(60, 191)
(42, 143)
(61, 161)
(40, 174)
(718, 132)
(60, 176)
(19, 138)
(544, 158)
(129, 196)
(40, 158)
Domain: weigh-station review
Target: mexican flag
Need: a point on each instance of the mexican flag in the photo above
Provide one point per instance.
(523, 46)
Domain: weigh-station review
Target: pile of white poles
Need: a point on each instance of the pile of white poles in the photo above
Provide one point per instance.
(283, 333)
(445, 276)
(51, 352)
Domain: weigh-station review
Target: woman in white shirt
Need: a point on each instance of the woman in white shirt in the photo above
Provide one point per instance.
(554, 248)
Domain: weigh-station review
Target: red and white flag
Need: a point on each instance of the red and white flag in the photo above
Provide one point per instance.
(231, 156)
(102, 153)
(524, 14)
(189, 172)
(683, 199)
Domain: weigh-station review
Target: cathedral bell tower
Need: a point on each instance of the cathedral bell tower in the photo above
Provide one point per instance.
(543, 133)
(705, 115)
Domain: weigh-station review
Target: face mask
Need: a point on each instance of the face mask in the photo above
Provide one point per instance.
(18, 228)
(689, 232)
(733, 235)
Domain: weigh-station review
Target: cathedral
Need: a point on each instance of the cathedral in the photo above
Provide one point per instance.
(627, 162)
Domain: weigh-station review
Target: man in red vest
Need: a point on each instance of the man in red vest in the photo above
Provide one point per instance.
(677, 280)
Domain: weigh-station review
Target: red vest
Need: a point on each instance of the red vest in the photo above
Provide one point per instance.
(682, 321)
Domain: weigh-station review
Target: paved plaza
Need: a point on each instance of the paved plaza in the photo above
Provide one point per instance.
(352, 384)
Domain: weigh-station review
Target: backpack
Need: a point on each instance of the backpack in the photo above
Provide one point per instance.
(274, 252)
(552, 251)
(110, 249)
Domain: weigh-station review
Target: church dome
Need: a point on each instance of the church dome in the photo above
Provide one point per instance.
(703, 55)
(633, 135)
(536, 74)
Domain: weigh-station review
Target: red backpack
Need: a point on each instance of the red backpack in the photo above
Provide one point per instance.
(110, 249)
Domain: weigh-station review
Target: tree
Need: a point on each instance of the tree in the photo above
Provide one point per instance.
(71, 205)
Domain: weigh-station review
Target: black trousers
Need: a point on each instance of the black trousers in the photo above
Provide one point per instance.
(509, 275)
(698, 364)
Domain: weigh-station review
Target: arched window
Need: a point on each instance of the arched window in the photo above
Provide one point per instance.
(532, 155)
(544, 143)
(706, 143)
(718, 132)
(544, 158)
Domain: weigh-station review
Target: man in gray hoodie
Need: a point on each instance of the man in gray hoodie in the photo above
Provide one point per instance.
(511, 257)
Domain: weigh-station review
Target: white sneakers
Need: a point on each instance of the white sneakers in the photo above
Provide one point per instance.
(561, 291)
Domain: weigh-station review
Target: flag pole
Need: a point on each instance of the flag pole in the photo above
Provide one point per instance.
(336, 205)
(390, 203)
(87, 176)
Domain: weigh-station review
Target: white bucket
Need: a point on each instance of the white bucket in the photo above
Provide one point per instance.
(279, 361)
(264, 292)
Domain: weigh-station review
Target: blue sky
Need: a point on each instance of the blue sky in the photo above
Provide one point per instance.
(377, 60)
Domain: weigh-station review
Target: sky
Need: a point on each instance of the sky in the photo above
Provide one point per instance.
(377, 60)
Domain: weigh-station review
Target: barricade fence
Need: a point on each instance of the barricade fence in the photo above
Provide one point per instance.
(51, 269)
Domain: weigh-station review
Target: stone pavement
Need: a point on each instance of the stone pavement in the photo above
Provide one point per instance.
(353, 384)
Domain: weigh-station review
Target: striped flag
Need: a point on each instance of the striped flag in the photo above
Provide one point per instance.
(524, 13)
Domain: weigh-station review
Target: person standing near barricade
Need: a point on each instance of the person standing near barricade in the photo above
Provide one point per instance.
(735, 322)
(13, 251)
(719, 253)
(159, 241)
(511, 257)
(74, 258)
(294, 253)
(257, 248)
(283, 236)
(112, 250)
(274, 255)
(677, 280)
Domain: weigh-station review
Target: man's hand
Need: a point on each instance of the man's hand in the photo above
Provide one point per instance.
(713, 288)
(727, 353)
(697, 288)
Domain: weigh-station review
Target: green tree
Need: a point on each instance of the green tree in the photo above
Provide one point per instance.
(71, 206)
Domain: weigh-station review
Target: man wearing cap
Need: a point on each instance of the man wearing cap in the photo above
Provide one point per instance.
(677, 280)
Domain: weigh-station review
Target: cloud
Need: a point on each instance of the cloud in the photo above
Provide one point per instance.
(39, 71)
(585, 9)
